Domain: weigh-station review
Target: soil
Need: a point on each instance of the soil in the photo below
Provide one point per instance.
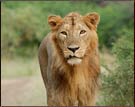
(23, 91)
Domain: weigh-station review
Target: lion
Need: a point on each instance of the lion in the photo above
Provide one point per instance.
(69, 60)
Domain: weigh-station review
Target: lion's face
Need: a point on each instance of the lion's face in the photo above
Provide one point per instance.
(74, 36)
(73, 39)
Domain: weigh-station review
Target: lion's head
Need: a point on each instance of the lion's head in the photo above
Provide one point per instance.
(76, 35)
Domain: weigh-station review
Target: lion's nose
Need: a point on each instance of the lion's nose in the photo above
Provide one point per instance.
(73, 48)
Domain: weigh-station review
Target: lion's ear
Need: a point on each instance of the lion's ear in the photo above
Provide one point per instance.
(92, 20)
(54, 22)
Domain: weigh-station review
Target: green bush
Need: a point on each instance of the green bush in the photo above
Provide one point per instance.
(118, 87)
(113, 20)
(22, 30)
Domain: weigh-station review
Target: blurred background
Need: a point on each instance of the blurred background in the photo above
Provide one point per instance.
(24, 25)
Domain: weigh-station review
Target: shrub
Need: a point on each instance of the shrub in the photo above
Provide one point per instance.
(22, 30)
(118, 87)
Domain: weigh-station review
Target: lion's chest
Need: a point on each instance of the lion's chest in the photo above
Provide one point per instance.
(80, 80)
(74, 85)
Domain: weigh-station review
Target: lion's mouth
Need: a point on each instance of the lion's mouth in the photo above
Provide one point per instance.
(72, 57)
(74, 60)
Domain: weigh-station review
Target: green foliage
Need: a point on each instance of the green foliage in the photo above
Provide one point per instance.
(24, 24)
(118, 87)
(22, 30)
(113, 20)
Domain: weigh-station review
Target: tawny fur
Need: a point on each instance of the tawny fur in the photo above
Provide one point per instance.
(69, 85)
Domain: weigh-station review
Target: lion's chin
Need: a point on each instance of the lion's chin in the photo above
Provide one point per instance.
(74, 61)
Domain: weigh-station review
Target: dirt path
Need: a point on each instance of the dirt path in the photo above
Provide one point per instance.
(23, 91)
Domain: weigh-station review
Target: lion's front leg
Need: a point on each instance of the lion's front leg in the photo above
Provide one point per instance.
(87, 102)
(87, 98)
(58, 98)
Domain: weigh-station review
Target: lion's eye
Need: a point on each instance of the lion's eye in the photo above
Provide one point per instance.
(63, 32)
(82, 31)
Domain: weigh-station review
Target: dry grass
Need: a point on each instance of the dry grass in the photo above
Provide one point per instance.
(19, 67)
